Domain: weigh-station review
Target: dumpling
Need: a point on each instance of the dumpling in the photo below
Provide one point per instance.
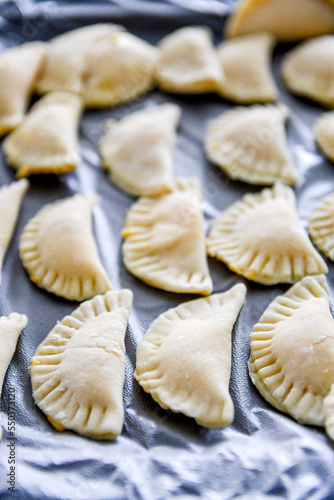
(184, 359)
(10, 329)
(292, 353)
(58, 249)
(164, 241)
(262, 238)
(19, 68)
(246, 63)
(308, 70)
(46, 142)
(10, 203)
(324, 134)
(77, 372)
(249, 144)
(138, 151)
(288, 20)
(321, 225)
(188, 62)
(329, 413)
(119, 69)
(66, 58)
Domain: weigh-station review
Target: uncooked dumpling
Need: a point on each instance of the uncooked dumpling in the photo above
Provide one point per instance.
(262, 238)
(249, 144)
(246, 61)
(188, 62)
(66, 58)
(10, 203)
(308, 69)
(138, 150)
(324, 134)
(184, 359)
(119, 69)
(46, 142)
(288, 20)
(329, 413)
(77, 372)
(58, 249)
(321, 225)
(292, 353)
(164, 240)
(10, 329)
(19, 68)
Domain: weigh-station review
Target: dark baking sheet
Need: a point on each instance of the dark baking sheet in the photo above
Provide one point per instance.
(160, 455)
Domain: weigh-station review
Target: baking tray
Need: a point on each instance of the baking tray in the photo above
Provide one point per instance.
(159, 455)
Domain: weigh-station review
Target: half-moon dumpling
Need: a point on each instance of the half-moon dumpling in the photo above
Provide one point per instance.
(10, 203)
(262, 238)
(10, 329)
(19, 67)
(188, 62)
(246, 63)
(59, 252)
(138, 151)
(288, 20)
(321, 225)
(329, 413)
(46, 142)
(308, 70)
(324, 134)
(184, 359)
(249, 144)
(292, 353)
(165, 244)
(66, 58)
(119, 68)
(77, 372)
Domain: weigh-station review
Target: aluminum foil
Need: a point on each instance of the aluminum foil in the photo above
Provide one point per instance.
(160, 455)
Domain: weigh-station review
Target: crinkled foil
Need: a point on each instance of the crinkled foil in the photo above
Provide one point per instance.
(160, 455)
